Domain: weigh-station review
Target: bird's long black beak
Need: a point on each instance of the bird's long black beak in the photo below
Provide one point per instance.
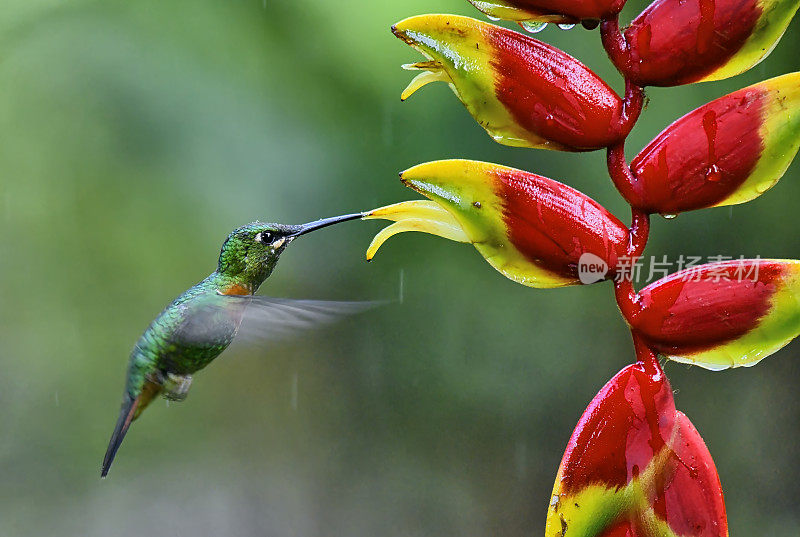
(302, 229)
(126, 414)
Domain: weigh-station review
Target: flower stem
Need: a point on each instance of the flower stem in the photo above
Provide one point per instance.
(614, 42)
(626, 182)
(645, 355)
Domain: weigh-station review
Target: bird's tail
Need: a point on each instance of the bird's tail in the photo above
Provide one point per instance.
(130, 410)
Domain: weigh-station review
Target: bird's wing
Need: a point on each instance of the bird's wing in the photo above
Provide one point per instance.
(208, 321)
(264, 319)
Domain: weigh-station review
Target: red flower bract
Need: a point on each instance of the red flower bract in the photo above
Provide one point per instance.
(554, 95)
(524, 92)
(636, 467)
(725, 152)
(700, 159)
(676, 42)
(532, 229)
(554, 225)
(720, 302)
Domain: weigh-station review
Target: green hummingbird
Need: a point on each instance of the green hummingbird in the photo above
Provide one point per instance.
(202, 322)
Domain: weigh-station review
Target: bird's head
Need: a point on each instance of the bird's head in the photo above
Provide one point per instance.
(250, 252)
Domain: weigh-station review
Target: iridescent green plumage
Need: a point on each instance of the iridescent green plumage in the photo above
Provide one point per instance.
(198, 325)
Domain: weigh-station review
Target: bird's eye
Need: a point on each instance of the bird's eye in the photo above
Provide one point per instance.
(264, 237)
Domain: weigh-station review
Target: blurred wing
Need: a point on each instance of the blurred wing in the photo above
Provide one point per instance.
(207, 321)
(262, 319)
(273, 319)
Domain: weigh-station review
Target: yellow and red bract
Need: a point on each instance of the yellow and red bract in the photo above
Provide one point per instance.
(728, 151)
(720, 315)
(532, 229)
(636, 467)
(675, 42)
(560, 11)
(524, 92)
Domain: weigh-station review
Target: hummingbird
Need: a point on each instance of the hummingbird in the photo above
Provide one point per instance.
(202, 322)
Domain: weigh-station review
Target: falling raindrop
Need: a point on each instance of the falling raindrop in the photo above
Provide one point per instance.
(521, 458)
(566, 26)
(294, 391)
(533, 27)
(669, 216)
(402, 286)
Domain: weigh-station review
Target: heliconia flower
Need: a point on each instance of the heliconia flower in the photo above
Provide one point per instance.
(636, 467)
(719, 315)
(532, 229)
(559, 11)
(728, 151)
(523, 92)
(675, 42)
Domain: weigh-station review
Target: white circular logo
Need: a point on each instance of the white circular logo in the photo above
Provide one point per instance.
(591, 269)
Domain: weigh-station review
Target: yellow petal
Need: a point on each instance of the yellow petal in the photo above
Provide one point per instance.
(417, 215)
(444, 230)
(423, 79)
(418, 209)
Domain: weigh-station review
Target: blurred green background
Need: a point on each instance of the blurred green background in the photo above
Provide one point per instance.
(135, 136)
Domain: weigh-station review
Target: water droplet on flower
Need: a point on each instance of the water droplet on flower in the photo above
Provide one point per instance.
(491, 18)
(713, 174)
(566, 26)
(590, 24)
(669, 216)
(763, 187)
(533, 27)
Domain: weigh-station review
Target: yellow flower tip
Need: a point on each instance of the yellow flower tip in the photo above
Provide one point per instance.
(383, 235)
(412, 183)
(381, 213)
(418, 215)
(400, 30)
(408, 28)
(422, 33)
(413, 210)
(442, 178)
(423, 79)
(432, 71)
(397, 32)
